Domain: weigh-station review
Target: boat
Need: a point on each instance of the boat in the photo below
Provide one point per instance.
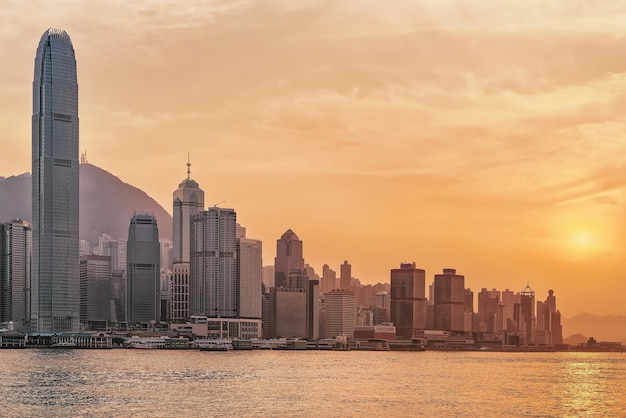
(213, 345)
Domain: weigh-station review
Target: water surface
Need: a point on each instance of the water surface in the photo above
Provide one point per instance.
(158, 383)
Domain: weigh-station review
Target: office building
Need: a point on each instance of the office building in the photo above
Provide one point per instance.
(329, 279)
(96, 289)
(213, 266)
(340, 313)
(449, 295)
(143, 272)
(249, 277)
(55, 247)
(188, 201)
(526, 318)
(288, 257)
(15, 273)
(345, 276)
(408, 300)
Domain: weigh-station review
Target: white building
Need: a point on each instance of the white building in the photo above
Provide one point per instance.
(340, 313)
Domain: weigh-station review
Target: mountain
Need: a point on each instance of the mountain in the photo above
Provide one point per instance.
(575, 339)
(106, 203)
(602, 328)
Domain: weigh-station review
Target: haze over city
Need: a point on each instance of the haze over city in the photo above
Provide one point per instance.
(484, 137)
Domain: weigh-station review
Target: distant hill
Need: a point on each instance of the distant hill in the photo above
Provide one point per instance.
(106, 203)
(602, 328)
(575, 339)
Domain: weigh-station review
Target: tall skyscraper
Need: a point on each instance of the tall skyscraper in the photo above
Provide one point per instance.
(188, 201)
(408, 300)
(249, 277)
(288, 257)
(329, 279)
(15, 273)
(340, 313)
(143, 287)
(527, 315)
(213, 272)
(55, 258)
(449, 292)
(345, 276)
(96, 289)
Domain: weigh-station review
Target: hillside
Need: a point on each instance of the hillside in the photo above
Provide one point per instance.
(106, 203)
(602, 328)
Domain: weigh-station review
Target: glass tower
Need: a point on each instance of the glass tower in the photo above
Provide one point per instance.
(143, 272)
(55, 258)
(213, 272)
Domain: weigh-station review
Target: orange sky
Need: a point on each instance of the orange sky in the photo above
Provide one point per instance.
(485, 136)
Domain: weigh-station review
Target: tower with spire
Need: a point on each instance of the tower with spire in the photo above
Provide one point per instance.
(188, 200)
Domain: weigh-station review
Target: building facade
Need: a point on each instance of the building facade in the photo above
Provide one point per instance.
(188, 200)
(449, 293)
(345, 276)
(213, 266)
(288, 257)
(96, 289)
(408, 300)
(339, 313)
(143, 285)
(249, 277)
(55, 249)
(15, 273)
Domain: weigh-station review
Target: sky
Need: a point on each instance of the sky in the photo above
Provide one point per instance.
(484, 136)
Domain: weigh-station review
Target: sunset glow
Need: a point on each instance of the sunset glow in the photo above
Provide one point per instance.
(484, 136)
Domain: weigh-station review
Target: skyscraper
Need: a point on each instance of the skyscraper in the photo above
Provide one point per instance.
(408, 300)
(188, 201)
(345, 276)
(55, 276)
(96, 288)
(449, 292)
(249, 277)
(15, 269)
(213, 272)
(143, 290)
(288, 257)
(340, 315)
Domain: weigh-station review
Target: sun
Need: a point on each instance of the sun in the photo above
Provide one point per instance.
(580, 236)
(583, 240)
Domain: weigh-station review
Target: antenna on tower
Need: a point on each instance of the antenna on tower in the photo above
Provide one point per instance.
(188, 165)
(220, 202)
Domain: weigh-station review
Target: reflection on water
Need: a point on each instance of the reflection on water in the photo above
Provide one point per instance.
(259, 383)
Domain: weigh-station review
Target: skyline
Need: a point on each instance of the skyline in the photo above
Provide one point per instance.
(485, 138)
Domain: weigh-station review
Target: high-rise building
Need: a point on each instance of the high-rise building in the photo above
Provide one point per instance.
(329, 279)
(339, 313)
(15, 273)
(179, 303)
(449, 293)
(55, 263)
(213, 266)
(249, 277)
(408, 300)
(268, 278)
(288, 257)
(345, 276)
(526, 319)
(118, 294)
(188, 201)
(143, 272)
(489, 319)
(96, 289)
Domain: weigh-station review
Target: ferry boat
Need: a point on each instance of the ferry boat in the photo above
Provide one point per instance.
(149, 343)
(213, 345)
